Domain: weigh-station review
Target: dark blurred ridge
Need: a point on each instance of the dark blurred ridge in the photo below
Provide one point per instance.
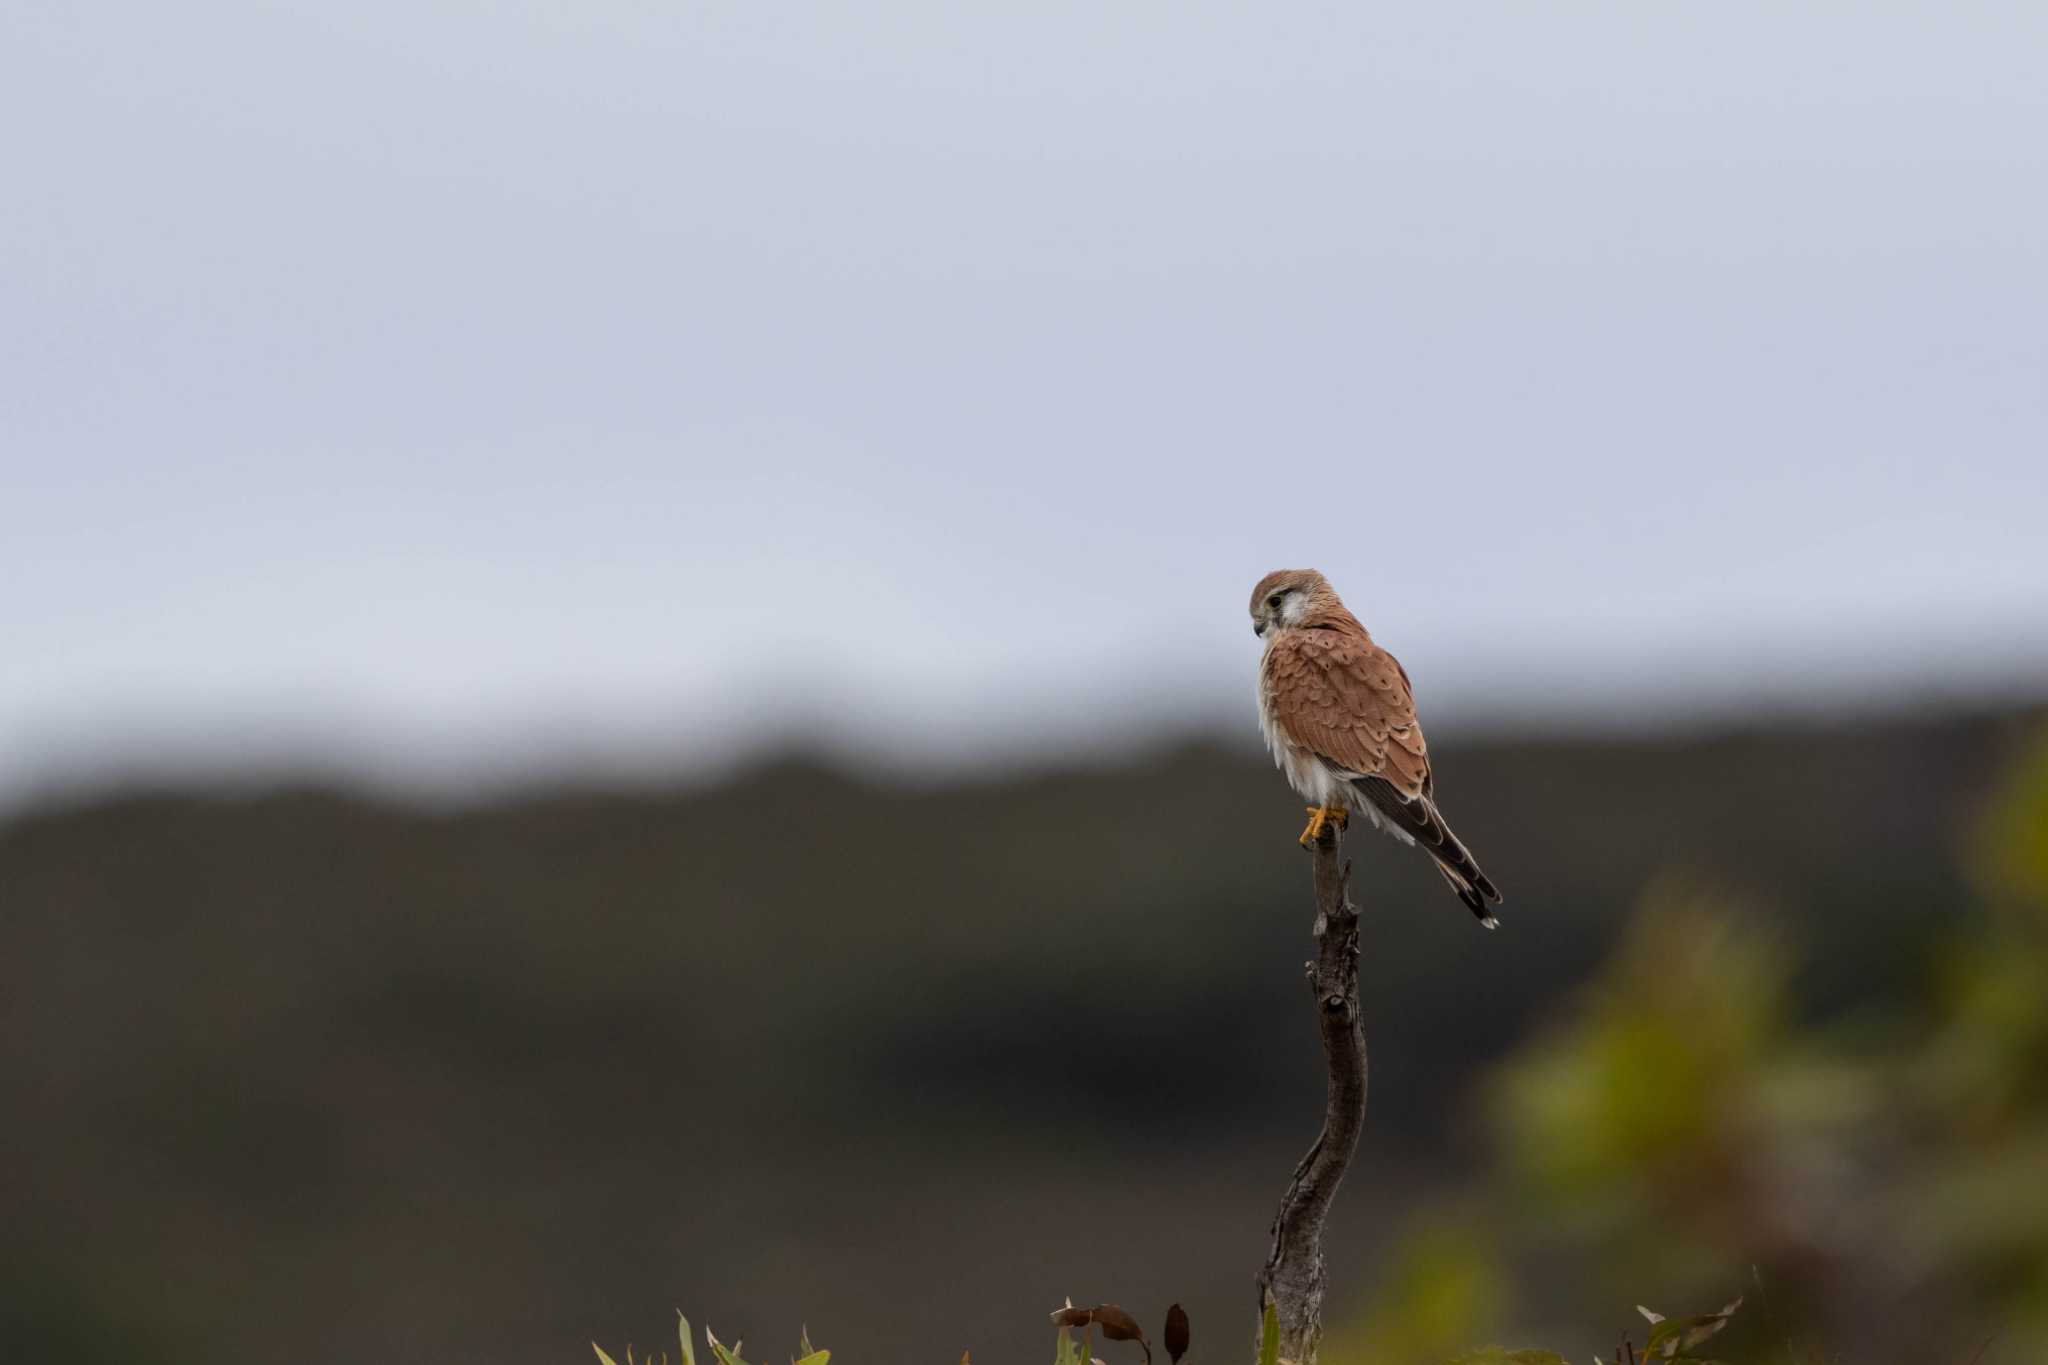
(309, 1074)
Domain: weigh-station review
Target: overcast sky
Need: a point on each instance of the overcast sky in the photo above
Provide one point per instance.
(454, 388)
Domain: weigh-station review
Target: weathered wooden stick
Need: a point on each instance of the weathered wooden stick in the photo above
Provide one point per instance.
(1294, 1273)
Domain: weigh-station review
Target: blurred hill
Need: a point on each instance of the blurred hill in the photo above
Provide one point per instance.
(315, 1075)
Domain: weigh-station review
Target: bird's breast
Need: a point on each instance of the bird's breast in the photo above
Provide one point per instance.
(1269, 719)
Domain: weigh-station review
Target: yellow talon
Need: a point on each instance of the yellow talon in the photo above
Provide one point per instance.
(1319, 816)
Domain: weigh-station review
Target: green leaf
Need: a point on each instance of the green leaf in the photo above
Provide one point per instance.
(815, 1358)
(683, 1335)
(601, 1355)
(1672, 1335)
(1498, 1355)
(1269, 1334)
(718, 1348)
(804, 1349)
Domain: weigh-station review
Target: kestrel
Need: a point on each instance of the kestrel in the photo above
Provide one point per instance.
(1339, 716)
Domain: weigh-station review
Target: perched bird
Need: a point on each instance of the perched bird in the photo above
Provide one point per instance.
(1339, 716)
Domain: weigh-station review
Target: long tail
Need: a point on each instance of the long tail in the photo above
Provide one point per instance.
(1422, 821)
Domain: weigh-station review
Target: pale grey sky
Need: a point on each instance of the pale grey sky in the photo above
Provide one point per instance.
(446, 389)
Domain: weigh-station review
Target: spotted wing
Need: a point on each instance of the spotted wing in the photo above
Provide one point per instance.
(1346, 700)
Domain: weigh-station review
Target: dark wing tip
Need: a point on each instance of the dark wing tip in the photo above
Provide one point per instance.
(1472, 900)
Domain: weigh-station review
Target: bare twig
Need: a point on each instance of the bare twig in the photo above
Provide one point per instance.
(1294, 1273)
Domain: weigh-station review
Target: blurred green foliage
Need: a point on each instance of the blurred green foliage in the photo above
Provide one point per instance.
(1677, 1125)
(1646, 1090)
(1440, 1289)
(2011, 841)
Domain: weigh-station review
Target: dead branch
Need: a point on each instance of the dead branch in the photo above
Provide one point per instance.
(1294, 1273)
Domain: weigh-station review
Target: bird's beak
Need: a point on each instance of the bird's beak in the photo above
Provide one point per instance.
(1259, 629)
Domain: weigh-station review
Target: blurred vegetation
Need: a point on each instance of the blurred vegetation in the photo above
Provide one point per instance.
(1881, 1181)
(308, 1074)
(686, 1352)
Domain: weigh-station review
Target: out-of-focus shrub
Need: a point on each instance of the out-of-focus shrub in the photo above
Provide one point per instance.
(2009, 852)
(1444, 1289)
(1971, 1213)
(1655, 1125)
(1676, 1131)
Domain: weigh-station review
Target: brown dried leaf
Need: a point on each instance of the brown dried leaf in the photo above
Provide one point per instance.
(1116, 1324)
(1176, 1333)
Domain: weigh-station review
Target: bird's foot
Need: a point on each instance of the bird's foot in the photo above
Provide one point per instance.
(1319, 816)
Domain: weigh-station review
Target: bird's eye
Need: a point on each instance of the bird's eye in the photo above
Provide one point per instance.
(1274, 600)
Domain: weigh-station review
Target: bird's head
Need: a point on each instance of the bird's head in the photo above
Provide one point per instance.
(1288, 597)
